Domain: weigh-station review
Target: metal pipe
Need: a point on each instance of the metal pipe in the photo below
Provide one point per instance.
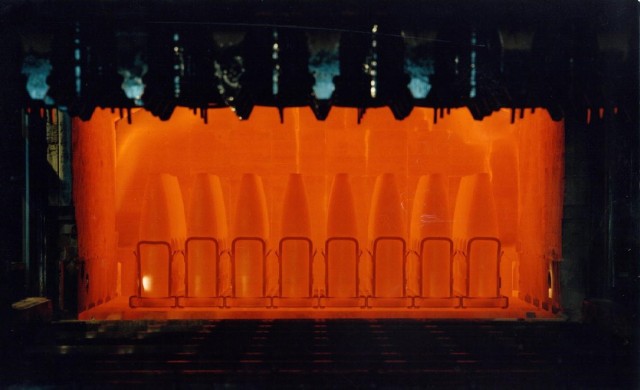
(26, 210)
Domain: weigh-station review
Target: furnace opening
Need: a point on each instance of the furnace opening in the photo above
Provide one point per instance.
(318, 218)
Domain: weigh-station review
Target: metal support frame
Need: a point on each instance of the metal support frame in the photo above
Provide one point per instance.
(404, 261)
(357, 254)
(138, 254)
(263, 244)
(186, 262)
(311, 255)
(421, 263)
(498, 256)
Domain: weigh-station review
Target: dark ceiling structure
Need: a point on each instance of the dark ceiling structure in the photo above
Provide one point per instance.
(567, 57)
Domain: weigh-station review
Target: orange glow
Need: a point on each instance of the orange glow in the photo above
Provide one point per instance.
(207, 218)
(296, 247)
(250, 235)
(342, 250)
(475, 216)
(386, 239)
(162, 219)
(431, 273)
(332, 214)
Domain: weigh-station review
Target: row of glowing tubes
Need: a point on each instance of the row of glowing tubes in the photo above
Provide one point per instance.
(397, 274)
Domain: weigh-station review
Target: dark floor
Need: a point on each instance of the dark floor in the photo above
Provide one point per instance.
(319, 353)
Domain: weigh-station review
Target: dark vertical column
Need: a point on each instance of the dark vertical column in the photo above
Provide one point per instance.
(621, 127)
(633, 230)
(600, 223)
(41, 229)
(623, 239)
(11, 171)
(624, 179)
(601, 237)
(582, 206)
(598, 268)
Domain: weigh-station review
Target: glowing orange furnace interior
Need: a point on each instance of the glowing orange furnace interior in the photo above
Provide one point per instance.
(317, 216)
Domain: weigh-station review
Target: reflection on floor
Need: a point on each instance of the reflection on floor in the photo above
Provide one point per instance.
(319, 353)
(118, 309)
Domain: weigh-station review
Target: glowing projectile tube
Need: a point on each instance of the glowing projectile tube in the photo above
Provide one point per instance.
(162, 219)
(475, 216)
(430, 220)
(207, 219)
(504, 178)
(295, 211)
(386, 235)
(295, 261)
(342, 243)
(250, 233)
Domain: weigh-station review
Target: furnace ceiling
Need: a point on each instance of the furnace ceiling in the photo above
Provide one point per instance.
(567, 57)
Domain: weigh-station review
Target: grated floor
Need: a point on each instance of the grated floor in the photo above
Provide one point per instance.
(319, 353)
